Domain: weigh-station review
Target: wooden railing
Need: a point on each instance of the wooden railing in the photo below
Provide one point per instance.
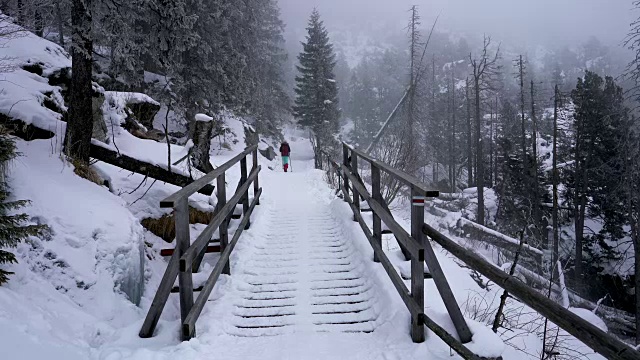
(187, 257)
(598, 340)
(349, 181)
(413, 245)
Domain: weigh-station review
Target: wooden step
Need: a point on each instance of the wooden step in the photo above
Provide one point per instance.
(366, 210)
(210, 249)
(176, 289)
(386, 232)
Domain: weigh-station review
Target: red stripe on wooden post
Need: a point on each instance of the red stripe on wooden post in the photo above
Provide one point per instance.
(418, 200)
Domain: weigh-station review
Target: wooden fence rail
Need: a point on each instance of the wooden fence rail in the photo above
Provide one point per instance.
(417, 250)
(349, 181)
(598, 340)
(187, 257)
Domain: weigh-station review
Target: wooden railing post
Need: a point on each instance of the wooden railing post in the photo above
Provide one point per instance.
(245, 199)
(377, 196)
(356, 196)
(223, 230)
(256, 185)
(417, 264)
(183, 241)
(345, 161)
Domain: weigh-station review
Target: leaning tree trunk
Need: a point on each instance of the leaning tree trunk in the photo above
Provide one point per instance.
(80, 120)
(202, 146)
(479, 159)
(469, 139)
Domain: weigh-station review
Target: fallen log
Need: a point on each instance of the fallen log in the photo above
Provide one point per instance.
(153, 171)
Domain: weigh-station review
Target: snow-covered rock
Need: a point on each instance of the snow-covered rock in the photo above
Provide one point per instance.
(26, 62)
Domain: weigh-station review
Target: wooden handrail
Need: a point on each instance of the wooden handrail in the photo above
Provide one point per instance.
(397, 281)
(415, 249)
(400, 175)
(187, 257)
(189, 324)
(598, 340)
(190, 189)
(205, 236)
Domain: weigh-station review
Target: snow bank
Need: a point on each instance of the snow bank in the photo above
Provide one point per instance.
(95, 242)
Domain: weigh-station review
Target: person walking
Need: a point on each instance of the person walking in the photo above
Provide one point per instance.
(285, 151)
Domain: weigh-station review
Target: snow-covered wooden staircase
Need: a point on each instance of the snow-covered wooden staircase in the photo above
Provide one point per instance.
(303, 276)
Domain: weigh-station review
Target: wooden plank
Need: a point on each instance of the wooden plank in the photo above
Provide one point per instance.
(183, 240)
(377, 196)
(401, 176)
(345, 162)
(160, 298)
(440, 280)
(186, 191)
(598, 340)
(153, 171)
(205, 236)
(399, 232)
(396, 279)
(210, 249)
(417, 267)
(451, 341)
(256, 185)
(245, 197)
(176, 289)
(223, 228)
(354, 170)
(189, 324)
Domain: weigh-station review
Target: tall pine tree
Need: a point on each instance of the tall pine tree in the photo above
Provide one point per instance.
(316, 104)
(12, 228)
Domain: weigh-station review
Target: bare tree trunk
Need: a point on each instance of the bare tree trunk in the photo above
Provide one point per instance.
(582, 169)
(413, 51)
(59, 19)
(202, 146)
(452, 137)
(491, 160)
(556, 238)
(21, 18)
(436, 155)
(505, 294)
(80, 120)
(495, 154)
(523, 140)
(479, 159)
(39, 23)
(536, 211)
(469, 139)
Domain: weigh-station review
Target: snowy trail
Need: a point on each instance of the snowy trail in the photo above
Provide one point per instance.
(303, 275)
(303, 285)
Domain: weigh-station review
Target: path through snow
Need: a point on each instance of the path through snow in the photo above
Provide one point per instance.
(303, 286)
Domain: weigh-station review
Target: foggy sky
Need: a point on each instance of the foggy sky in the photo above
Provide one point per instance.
(525, 22)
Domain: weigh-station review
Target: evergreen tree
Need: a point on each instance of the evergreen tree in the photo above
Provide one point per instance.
(12, 228)
(316, 104)
(602, 123)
